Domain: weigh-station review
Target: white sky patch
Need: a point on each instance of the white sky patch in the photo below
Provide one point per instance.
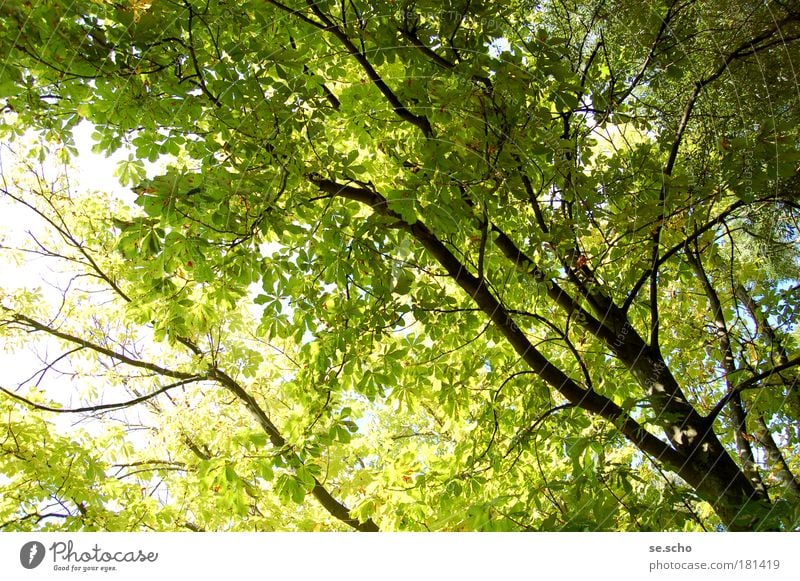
(499, 46)
(95, 172)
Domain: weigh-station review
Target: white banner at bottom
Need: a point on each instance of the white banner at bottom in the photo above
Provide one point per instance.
(399, 556)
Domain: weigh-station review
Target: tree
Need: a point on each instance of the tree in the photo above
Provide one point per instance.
(440, 266)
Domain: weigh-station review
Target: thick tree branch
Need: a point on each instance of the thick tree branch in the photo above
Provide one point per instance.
(614, 331)
(776, 460)
(500, 316)
(728, 363)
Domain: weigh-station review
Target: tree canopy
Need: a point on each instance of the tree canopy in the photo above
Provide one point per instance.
(404, 265)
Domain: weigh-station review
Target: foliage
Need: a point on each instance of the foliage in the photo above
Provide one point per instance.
(406, 265)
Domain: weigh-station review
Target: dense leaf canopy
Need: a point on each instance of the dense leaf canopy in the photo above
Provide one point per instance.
(402, 265)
